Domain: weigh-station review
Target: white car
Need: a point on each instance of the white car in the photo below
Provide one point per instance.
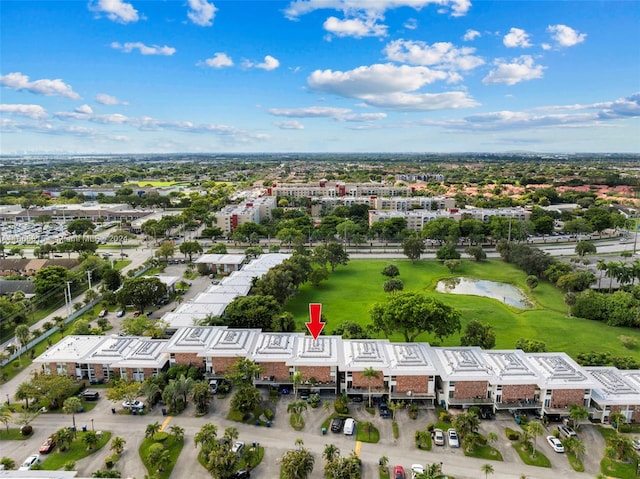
(29, 462)
(636, 444)
(453, 438)
(237, 447)
(133, 404)
(555, 443)
(438, 437)
(416, 469)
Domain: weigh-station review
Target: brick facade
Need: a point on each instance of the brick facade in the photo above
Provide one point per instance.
(470, 389)
(635, 417)
(71, 370)
(415, 384)
(222, 365)
(358, 380)
(566, 397)
(517, 392)
(187, 359)
(98, 371)
(279, 371)
(320, 373)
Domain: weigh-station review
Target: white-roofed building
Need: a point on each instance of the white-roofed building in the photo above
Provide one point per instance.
(563, 382)
(221, 263)
(411, 373)
(464, 377)
(361, 354)
(226, 347)
(187, 343)
(65, 357)
(319, 361)
(615, 391)
(515, 382)
(272, 352)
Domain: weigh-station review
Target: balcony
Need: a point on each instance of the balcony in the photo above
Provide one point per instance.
(476, 401)
(521, 404)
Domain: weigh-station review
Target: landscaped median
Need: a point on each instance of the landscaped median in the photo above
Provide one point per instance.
(78, 449)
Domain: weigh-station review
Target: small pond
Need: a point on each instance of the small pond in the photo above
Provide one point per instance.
(503, 292)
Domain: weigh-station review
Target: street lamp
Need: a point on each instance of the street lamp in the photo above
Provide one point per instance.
(92, 425)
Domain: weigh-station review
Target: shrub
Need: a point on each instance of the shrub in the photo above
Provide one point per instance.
(431, 427)
(26, 430)
(160, 436)
(269, 414)
(340, 405)
(444, 416)
(512, 435)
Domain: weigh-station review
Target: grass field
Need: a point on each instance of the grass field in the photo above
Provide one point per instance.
(351, 291)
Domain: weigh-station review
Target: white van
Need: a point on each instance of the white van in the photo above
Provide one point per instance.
(349, 426)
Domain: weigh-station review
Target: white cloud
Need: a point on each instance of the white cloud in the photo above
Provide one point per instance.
(289, 125)
(338, 114)
(115, 10)
(105, 99)
(471, 35)
(355, 27)
(113, 119)
(516, 38)
(411, 24)
(84, 109)
(35, 112)
(143, 49)
(18, 81)
(219, 60)
(545, 46)
(374, 79)
(201, 12)
(389, 86)
(373, 8)
(269, 63)
(520, 69)
(440, 55)
(565, 36)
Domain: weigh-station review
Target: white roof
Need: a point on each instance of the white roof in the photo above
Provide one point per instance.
(215, 297)
(221, 259)
(511, 367)
(271, 347)
(229, 343)
(239, 278)
(239, 289)
(168, 281)
(615, 387)
(559, 371)
(409, 359)
(191, 339)
(324, 351)
(70, 349)
(360, 354)
(144, 353)
(176, 320)
(463, 364)
(200, 309)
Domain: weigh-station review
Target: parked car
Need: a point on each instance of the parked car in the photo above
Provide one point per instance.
(304, 394)
(555, 444)
(137, 313)
(453, 438)
(566, 431)
(398, 472)
(383, 408)
(438, 437)
(213, 386)
(237, 447)
(349, 426)
(121, 313)
(133, 404)
(29, 462)
(241, 474)
(90, 395)
(48, 446)
(416, 469)
(102, 313)
(337, 424)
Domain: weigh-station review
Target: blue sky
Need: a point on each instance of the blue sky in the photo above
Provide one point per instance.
(119, 76)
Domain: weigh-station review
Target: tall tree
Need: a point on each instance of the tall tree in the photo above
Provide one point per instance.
(413, 313)
(71, 406)
(478, 334)
(413, 247)
(370, 374)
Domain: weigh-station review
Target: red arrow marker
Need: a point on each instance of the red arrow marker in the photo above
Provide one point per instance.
(315, 326)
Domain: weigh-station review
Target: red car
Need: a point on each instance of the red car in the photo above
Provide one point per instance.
(48, 445)
(398, 472)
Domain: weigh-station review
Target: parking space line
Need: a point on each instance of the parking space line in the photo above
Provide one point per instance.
(357, 449)
(165, 422)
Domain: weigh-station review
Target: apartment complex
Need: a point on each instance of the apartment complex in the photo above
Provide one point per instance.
(251, 211)
(450, 377)
(332, 189)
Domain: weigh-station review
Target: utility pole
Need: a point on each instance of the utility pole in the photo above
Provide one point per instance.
(69, 292)
(89, 277)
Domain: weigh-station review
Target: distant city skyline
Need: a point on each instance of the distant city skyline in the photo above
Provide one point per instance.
(200, 76)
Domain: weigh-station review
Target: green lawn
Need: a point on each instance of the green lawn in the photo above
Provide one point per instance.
(353, 289)
(485, 452)
(371, 435)
(539, 460)
(77, 451)
(14, 434)
(174, 447)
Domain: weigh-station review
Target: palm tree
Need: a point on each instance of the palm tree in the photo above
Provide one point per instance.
(22, 335)
(617, 418)
(152, 429)
(297, 463)
(395, 406)
(117, 444)
(535, 429)
(150, 390)
(230, 435)
(71, 406)
(206, 437)
(177, 432)
(5, 415)
(296, 379)
(295, 408)
(370, 374)
(90, 439)
(601, 266)
(577, 413)
(63, 438)
(574, 446)
(26, 391)
(331, 452)
(487, 469)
